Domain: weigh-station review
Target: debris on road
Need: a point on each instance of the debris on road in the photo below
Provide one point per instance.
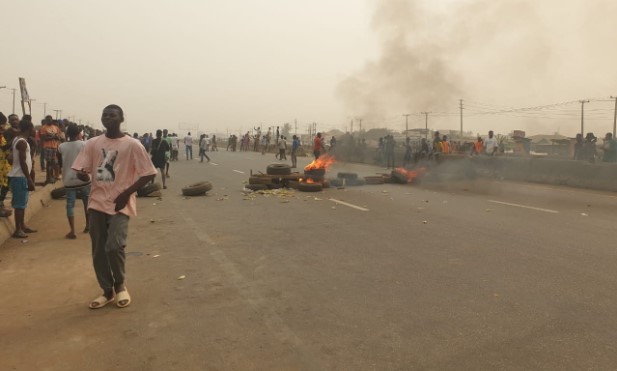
(181, 277)
(156, 256)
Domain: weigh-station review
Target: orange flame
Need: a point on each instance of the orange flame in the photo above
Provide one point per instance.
(322, 162)
(310, 181)
(410, 174)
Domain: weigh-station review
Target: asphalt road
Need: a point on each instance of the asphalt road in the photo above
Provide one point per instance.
(449, 276)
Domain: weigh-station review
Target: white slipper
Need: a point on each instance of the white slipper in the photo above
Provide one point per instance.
(100, 302)
(123, 296)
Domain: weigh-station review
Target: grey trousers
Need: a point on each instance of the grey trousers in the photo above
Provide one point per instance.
(108, 234)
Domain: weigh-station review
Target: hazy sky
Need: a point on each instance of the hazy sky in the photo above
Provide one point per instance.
(235, 64)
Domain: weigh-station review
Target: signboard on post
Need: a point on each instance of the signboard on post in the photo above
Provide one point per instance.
(24, 96)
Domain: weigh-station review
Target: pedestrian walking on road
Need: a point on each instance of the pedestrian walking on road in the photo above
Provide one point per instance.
(167, 138)
(5, 166)
(119, 166)
(67, 153)
(188, 144)
(159, 148)
(203, 145)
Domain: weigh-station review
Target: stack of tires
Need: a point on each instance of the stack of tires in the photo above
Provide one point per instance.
(277, 176)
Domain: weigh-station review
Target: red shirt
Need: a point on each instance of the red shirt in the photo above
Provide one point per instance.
(317, 144)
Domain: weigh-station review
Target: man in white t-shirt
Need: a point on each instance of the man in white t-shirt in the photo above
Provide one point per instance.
(68, 152)
(188, 143)
(490, 144)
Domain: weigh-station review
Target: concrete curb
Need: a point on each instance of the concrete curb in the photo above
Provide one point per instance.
(38, 199)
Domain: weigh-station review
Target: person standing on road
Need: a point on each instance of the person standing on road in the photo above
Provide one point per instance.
(20, 179)
(390, 144)
(5, 167)
(50, 134)
(318, 146)
(295, 144)
(490, 144)
(175, 144)
(408, 153)
(160, 147)
(610, 148)
(120, 166)
(167, 138)
(282, 149)
(188, 143)
(67, 153)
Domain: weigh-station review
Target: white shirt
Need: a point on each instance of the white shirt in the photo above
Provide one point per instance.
(490, 144)
(69, 152)
(16, 170)
(188, 140)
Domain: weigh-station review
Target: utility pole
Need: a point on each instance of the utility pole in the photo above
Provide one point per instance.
(425, 124)
(44, 109)
(351, 126)
(295, 127)
(14, 90)
(461, 106)
(582, 102)
(406, 125)
(360, 125)
(615, 119)
(56, 111)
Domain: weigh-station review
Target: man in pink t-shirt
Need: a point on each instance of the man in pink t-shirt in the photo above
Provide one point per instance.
(115, 161)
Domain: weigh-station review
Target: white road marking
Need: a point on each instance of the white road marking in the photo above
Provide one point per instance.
(525, 207)
(239, 172)
(348, 204)
(214, 163)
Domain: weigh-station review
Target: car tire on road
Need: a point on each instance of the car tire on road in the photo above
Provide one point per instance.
(343, 175)
(278, 169)
(197, 189)
(149, 189)
(310, 187)
(355, 182)
(376, 179)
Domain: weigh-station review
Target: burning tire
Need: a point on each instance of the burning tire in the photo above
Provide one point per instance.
(343, 175)
(149, 189)
(278, 169)
(374, 180)
(257, 187)
(197, 189)
(58, 193)
(260, 180)
(310, 187)
(399, 178)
